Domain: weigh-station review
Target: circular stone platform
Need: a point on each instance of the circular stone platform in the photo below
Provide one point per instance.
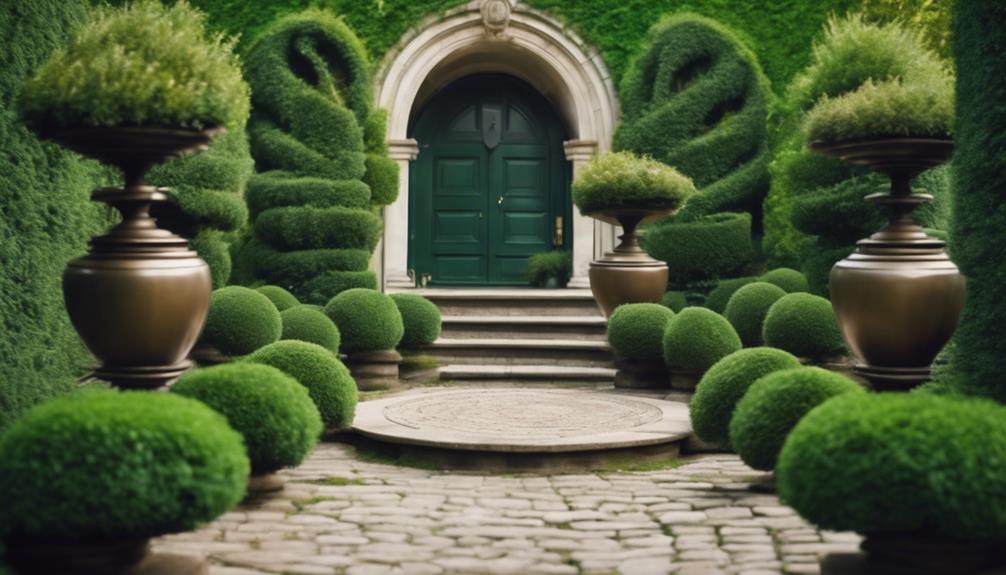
(491, 428)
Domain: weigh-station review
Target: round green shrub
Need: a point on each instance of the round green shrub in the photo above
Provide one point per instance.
(747, 308)
(108, 464)
(636, 330)
(309, 323)
(892, 462)
(697, 338)
(773, 406)
(142, 64)
(726, 382)
(273, 412)
(327, 380)
(240, 321)
(790, 280)
(706, 248)
(282, 299)
(367, 319)
(804, 325)
(624, 180)
(555, 264)
(420, 318)
(720, 295)
(674, 301)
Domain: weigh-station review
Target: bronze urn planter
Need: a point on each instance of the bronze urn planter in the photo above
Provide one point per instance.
(898, 296)
(627, 274)
(140, 297)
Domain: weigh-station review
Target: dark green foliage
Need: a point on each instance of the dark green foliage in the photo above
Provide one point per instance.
(636, 330)
(278, 190)
(748, 307)
(697, 338)
(555, 264)
(20, 389)
(282, 299)
(720, 295)
(899, 463)
(626, 180)
(980, 177)
(109, 465)
(308, 228)
(674, 301)
(804, 325)
(309, 323)
(420, 317)
(216, 253)
(327, 380)
(273, 412)
(725, 384)
(241, 320)
(368, 320)
(338, 282)
(774, 404)
(712, 247)
(300, 270)
(382, 172)
(790, 280)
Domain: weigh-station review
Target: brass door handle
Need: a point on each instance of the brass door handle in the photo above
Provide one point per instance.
(500, 200)
(557, 236)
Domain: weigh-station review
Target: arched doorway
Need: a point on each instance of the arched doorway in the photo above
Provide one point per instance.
(491, 184)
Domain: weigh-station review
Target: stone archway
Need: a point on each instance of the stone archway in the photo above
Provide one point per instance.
(503, 36)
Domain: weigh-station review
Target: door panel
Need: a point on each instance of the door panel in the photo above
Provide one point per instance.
(458, 203)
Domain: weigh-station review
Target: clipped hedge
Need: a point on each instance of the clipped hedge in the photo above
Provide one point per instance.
(282, 299)
(240, 321)
(108, 464)
(889, 463)
(790, 280)
(708, 248)
(774, 404)
(327, 380)
(368, 320)
(697, 338)
(554, 264)
(270, 409)
(726, 382)
(636, 330)
(804, 325)
(308, 323)
(625, 180)
(420, 318)
(748, 307)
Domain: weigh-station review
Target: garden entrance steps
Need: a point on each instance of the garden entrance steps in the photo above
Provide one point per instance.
(528, 352)
(589, 328)
(528, 373)
(511, 301)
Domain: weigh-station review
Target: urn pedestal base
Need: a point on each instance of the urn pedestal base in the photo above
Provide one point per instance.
(375, 370)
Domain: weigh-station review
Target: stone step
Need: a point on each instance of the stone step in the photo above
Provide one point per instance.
(511, 302)
(527, 373)
(590, 328)
(497, 351)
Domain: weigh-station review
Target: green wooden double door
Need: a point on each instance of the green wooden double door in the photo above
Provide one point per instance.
(490, 186)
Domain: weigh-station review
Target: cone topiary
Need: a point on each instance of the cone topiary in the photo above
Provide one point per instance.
(273, 412)
(773, 406)
(282, 299)
(804, 325)
(240, 321)
(790, 280)
(636, 330)
(420, 318)
(725, 383)
(110, 465)
(697, 338)
(747, 308)
(367, 320)
(309, 323)
(327, 380)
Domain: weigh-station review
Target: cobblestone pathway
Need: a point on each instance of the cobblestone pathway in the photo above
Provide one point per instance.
(340, 515)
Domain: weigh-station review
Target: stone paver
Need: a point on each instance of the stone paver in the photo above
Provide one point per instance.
(342, 516)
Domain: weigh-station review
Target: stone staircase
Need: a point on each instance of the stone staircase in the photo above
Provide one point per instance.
(495, 335)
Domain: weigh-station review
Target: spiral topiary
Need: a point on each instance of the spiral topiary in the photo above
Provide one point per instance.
(327, 380)
(747, 308)
(420, 318)
(896, 463)
(110, 465)
(312, 204)
(273, 412)
(790, 280)
(240, 321)
(674, 301)
(804, 325)
(711, 247)
(773, 406)
(309, 323)
(697, 338)
(282, 299)
(725, 383)
(636, 330)
(367, 320)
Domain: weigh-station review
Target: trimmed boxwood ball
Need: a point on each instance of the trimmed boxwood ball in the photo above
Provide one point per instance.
(368, 320)
(420, 318)
(790, 280)
(109, 464)
(718, 298)
(327, 380)
(674, 301)
(747, 308)
(282, 299)
(697, 338)
(308, 323)
(804, 325)
(883, 463)
(636, 330)
(773, 406)
(273, 412)
(240, 321)
(725, 384)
